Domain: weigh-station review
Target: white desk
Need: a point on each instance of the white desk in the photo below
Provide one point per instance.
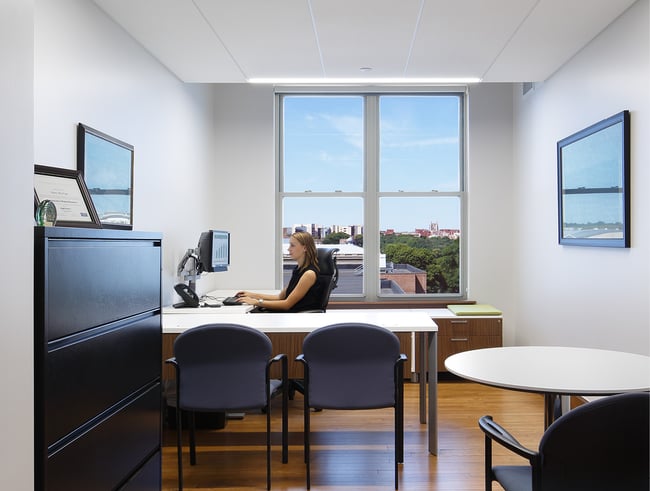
(176, 321)
(208, 311)
(554, 371)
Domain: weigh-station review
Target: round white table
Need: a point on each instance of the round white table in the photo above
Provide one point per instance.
(554, 371)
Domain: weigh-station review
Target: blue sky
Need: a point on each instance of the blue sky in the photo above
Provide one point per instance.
(594, 161)
(419, 151)
(111, 164)
(108, 166)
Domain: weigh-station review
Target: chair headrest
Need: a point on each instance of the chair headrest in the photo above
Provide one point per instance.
(326, 260)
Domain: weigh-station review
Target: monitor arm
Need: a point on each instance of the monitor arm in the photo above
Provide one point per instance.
(192, 274)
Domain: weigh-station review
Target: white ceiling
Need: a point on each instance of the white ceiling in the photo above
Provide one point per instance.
(233, 41)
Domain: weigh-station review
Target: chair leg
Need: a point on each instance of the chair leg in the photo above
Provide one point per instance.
(488, 464)
(192, 438)
(400, 411)
(397, 446)
(399, 441)
(179, 448)
(307, 443)
(295, 385)
(399, 433)
(268, 446)
(285, 413)
(399, 420)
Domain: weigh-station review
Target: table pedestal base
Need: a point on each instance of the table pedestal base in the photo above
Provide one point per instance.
(552, 409)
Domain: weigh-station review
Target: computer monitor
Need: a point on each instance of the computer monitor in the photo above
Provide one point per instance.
(214, 251)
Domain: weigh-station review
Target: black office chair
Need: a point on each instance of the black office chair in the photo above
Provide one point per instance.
(353, 366)
(599, 446)
(326, 281)
(225, 367)
(328, 275)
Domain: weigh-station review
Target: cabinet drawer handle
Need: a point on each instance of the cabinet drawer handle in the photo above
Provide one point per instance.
(459, 339)
(459, 322)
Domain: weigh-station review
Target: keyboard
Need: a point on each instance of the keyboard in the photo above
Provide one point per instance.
(231, 301)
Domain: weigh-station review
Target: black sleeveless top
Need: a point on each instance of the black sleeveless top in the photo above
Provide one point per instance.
(312, 299)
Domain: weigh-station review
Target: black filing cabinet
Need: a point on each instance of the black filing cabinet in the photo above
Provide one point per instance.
(97, 352)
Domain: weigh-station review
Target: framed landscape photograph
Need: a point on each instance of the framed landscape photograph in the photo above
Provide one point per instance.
(106, 165)
(593, 168)
(67, 190)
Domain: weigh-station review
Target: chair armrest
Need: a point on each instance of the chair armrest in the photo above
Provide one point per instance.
(301, 358)
(283, 358)
(278, 357)
(400, 360)
(496, 432)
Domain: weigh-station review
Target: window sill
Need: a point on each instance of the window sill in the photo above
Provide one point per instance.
(397, 304)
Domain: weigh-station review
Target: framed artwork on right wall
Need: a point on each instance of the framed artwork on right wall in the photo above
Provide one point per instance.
(593, 168)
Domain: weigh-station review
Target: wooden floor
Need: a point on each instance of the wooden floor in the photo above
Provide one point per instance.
(353, 450)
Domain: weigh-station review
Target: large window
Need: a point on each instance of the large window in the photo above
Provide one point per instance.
(380, 176)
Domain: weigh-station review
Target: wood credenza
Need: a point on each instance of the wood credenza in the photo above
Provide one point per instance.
(457, 334)
(97, 351)
(287, 343)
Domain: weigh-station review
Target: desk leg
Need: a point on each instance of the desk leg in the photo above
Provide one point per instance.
(422, 356)
(552, 409)
(433, 392)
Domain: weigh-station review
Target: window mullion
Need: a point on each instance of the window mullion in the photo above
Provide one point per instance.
(279, 166)
(371, 203)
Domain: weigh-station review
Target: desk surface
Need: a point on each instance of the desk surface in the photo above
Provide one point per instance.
(554, 369)
(219, 295)
(395, 320)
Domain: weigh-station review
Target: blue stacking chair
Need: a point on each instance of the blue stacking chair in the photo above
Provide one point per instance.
(225, 367)
(353, 366)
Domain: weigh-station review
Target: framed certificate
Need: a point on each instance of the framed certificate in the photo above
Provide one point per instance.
(67, 190)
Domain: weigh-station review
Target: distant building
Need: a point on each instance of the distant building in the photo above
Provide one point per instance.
(403, 278)
(351, 230)
(450, 233)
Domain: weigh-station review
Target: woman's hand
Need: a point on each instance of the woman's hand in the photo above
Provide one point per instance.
(247, 299)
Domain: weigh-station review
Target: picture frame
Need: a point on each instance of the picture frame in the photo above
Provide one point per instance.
(106, 165)
(593, 167)
(67, 190)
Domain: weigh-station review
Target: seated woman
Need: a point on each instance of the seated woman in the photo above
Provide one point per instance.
(303, 291)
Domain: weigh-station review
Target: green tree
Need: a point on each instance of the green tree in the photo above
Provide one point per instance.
(438, 256)
(335, 238)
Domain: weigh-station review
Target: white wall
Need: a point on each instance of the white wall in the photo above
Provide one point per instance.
(87, 69)
(491, 207)
(583, 296)
(16, 247)
(244, 139)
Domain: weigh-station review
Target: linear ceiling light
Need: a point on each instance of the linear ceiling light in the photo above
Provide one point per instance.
(364, 80)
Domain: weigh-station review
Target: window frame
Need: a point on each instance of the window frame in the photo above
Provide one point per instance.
(371, 194)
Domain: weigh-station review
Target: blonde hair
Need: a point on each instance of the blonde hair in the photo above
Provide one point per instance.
(305, 239)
